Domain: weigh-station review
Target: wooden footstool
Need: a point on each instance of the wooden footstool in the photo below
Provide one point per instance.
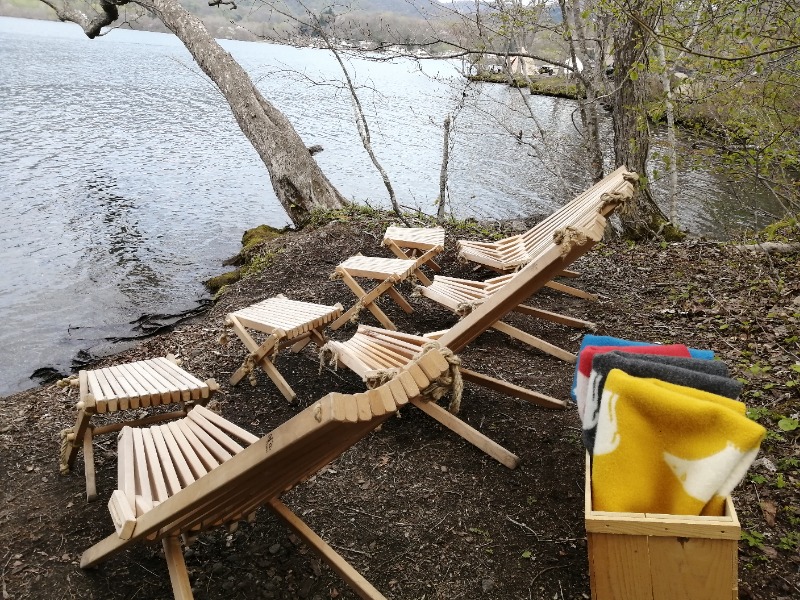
(285, 322)
(410, 242)
(131, 386)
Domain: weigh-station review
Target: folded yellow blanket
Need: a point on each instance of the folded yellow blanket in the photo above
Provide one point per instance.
(665, 448)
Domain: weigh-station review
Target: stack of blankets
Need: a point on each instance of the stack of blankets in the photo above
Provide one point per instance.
(663, 426)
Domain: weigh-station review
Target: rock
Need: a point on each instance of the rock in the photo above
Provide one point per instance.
(305, 587)
(275, 548)
(217, 569)
(487, 585)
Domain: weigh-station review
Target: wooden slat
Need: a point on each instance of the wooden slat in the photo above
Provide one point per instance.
(183, 469)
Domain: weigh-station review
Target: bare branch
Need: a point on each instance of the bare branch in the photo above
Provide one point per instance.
(91, 25)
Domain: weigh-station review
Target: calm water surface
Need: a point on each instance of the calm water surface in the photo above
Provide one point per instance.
(124, 180)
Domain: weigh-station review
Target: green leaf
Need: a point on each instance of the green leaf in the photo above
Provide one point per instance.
(788, 424)
(526, 554)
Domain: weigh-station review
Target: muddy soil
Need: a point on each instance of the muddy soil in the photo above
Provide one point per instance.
(417, 510)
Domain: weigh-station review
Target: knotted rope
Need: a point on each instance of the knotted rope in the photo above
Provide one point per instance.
(378, 378)
(252, 359)
(67, 443)
(631, 177)
(71, 381)
(620, 198)
(328, 357)
(465, 308)
(449, 382)
(569, 237)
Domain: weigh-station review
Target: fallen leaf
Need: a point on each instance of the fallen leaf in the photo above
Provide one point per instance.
(770, 511)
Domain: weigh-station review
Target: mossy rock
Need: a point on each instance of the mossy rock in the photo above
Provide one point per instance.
(252, 240)
(259, 235)
(215, 283)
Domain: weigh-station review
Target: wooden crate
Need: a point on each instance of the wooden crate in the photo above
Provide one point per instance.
(644, 556)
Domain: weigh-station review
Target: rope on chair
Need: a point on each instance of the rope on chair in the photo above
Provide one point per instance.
(631, 177)
(569, 237)
(450, 382)
(328, 357)
(67, 443)
(465, 308)
(250, 362)
(71, 381)
(378, 378)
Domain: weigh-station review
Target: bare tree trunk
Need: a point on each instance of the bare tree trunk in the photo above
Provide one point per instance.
(586, 79)
(443, 172)
(672, 150)
(299, 183)
(642, 217)
(363, 126)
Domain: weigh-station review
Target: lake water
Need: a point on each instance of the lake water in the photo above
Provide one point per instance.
(125, 182)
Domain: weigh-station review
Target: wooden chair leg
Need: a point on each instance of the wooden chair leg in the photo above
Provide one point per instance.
(555, 317)
(297, 346)
(572, 291)
(509, 389)
(278, 379)
(473, 436)
(535, 342)
(367, 300)
(178, 575)
(345, 570)
(252, 346)
(88, 466)
(401, 302)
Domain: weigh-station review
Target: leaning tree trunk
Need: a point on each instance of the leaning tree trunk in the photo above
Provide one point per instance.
(299, 183)
(642, 217)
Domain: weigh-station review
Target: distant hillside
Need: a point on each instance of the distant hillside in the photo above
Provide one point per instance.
(408, 8)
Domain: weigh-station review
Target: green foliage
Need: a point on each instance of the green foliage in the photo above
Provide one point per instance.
(753, 539)
(790, 541)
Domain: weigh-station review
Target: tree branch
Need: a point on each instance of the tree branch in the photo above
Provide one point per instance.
(91, 25)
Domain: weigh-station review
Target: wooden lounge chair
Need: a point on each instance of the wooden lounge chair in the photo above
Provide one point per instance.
(285, 322)
(463, 295)
(374, 354)
(410, 242)
(510, 253)
(131, 386)
(388, 272)
(203, 471)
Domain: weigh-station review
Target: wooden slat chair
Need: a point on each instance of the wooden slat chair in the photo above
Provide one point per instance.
(131, 386)
(410, 242)
(285, 322)
(201, 472)
(388, 272)
(510, 253)
(463, 295)
(374, 353)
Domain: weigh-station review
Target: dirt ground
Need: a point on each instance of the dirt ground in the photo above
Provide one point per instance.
(417, 510)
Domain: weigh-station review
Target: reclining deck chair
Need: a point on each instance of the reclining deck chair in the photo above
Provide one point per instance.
(410, 242)
(388, 271)
(374, 354)
(285, 322)
(510, 253)
(464, 295)
(203, 471)
(131, 386)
